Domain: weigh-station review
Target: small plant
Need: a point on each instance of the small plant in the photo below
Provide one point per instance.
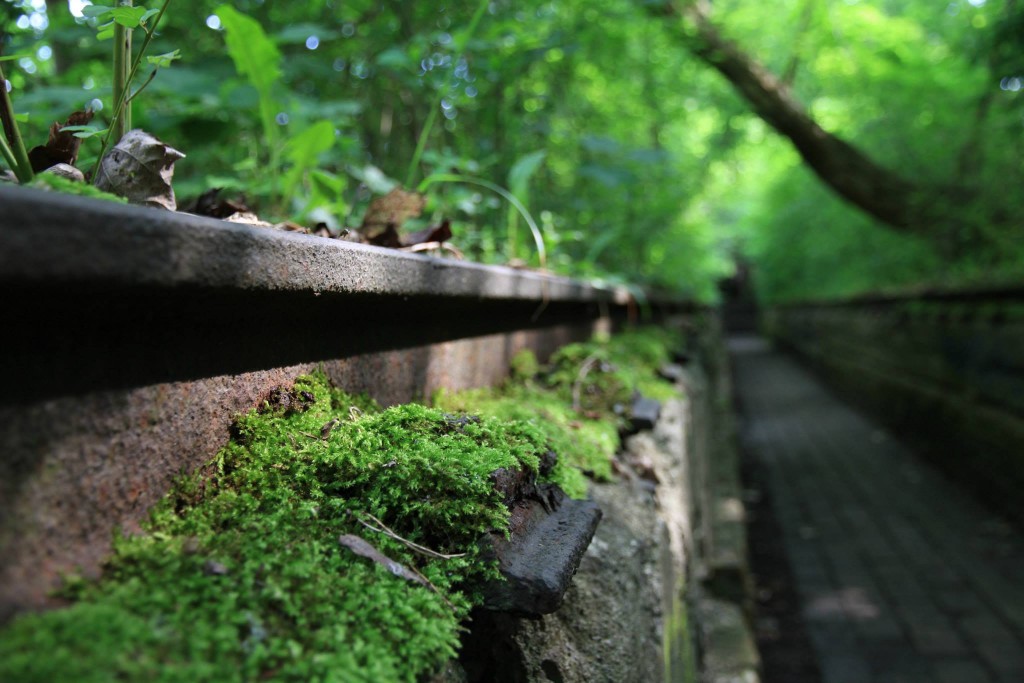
(12, 147)
(258, 60)
(117, 23)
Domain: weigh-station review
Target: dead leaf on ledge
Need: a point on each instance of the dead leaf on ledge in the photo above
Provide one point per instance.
(62, 146)
(140, 169)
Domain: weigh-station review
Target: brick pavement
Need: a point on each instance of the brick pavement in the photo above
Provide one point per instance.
(902, 577)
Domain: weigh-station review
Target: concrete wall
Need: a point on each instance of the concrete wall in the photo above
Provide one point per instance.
(945, 370)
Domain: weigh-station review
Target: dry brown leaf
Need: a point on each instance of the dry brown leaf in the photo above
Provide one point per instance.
(392, 211)
(140, 169)
(61, 147)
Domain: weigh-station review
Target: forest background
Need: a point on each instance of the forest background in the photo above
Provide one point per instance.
(608, 119)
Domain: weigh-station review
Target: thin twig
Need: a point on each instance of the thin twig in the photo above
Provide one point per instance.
(430, 246)
(142, 87)
(578, 384)
(383, 529)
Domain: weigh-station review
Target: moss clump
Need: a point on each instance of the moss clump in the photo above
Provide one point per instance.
(524, 365)
(240, 575)
(602, 374)
(584, 446)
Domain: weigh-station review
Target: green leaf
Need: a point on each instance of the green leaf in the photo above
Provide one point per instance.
(522, 170)
(129, 17)
(374, 178)
(94, 11)
(257, 59)
(395, 58)
(519, 185)
(106, 32)
(149, 15)
(20, 55)
(304, 150)
(327, 185)
(163, 61)
(84, 132)
(254, 54)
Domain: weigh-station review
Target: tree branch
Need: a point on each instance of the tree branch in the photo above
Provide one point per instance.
(855, 177)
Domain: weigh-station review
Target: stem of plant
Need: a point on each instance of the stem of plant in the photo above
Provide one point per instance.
(122, 122)
(120, 102)
(15, 153)
(428, 126)
(538, 236)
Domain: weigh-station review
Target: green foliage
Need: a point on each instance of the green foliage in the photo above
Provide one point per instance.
(582, 444)
(239, 574)
(303, 152)
(258, 60)
(637, 163)
(524, 365)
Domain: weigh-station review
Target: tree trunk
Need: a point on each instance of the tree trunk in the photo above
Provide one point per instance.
(849, 172)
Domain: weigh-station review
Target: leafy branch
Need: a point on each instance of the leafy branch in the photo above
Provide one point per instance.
(123, 20)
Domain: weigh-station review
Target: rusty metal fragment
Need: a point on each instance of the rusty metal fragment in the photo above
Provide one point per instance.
(549, 532)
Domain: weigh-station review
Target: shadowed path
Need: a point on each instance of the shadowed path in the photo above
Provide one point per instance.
(900, 575)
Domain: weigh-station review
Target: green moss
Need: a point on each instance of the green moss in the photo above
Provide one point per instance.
(583, 445)
(240, 576)
(602, 374)
(524, 365)
(49, 181)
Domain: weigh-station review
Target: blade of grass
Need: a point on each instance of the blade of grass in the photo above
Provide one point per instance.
(428, 126)
(538, 236)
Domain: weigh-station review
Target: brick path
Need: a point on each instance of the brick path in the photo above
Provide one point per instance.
(900, 575)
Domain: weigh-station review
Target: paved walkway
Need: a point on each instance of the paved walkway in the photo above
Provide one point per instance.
(900, 576)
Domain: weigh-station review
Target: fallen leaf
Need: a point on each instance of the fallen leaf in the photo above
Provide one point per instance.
(210, 204)
(248, 218)
(62, 146)
(387, 214)
(140, 169)
(363, 548)
(388, 237)
(435, 233)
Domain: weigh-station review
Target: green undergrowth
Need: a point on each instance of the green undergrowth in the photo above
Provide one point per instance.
(239, 575)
